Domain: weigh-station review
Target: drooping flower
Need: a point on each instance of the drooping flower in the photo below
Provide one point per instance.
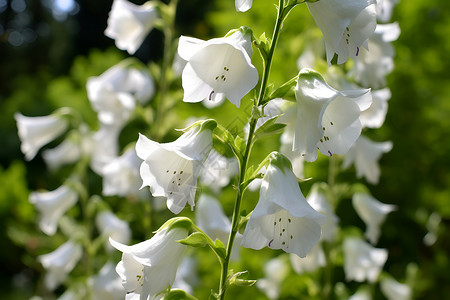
(319, 201)
(114, 93)
(313, 261)
(361, 260)
(275, 271)
(372, 67)
(217, 170)
(171, 169)
(365, 154)
(282, 218)
(129, 24)
(52, 205)
(345, 25)
(109, 225)
(243, 5)
(218, 68)
(212, 220)
(107, 284)
(187, 275)
(67, 152)
(394, 290)
(372, 212)
(121, 175)
(35, 132)
(60, 263)
(374, 116)
(149, 268)
(327, 119)
(103, 146)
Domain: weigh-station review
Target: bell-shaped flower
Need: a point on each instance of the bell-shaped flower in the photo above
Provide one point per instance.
(372, 67)
(171, 169)
(313, 261)
(218, 68)
(243, 5)
(319, 201)
(361, 260)
(212, 220)
(282, 218)
(121, 175)
(374, 116)
(35, 132)
(67, 152)
(103, 146)
(52, 205)
(327, 119)
(107, 284)
(365, 154)
(129, 24)
(60, 263)
(109, 225)
(275, 271)
(394, 290)
(187, 275)
(361, 294)
(149, 268)
(345, 25)
(114, 93)
(372, 212)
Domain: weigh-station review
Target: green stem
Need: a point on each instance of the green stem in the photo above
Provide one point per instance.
(243, 167)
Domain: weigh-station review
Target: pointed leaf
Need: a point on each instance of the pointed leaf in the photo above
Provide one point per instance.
(196, 239)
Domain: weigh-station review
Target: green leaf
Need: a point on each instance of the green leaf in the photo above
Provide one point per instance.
(240, 279)
(240, 145)
(287, 89)
(177, 294)
(269, 127)
(196, 239)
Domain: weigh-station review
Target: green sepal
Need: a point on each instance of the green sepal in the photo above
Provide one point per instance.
(222, 135)
(240, 279)
(196, 239)
(210, 124)
(310, 74)
(263, 45)
(257, 112)
(177, 294)
(177, 222)
(280, 161)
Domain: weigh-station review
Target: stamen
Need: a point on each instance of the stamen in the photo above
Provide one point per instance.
(357, 51)
(329, 152)
(270, 243)
(210, 95)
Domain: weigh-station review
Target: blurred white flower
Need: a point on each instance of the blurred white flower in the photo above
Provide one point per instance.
(67, 152)
(129, 24)
(212, 220)
(59, 263)
(361, 260)
(385, 9)
(327, 119)
(114, 94)
(365, 154)
(345, 25)
(121, 175)
(394, 290)
(35, 132)
(372, 67)
(217, 68)
(217, 170)
(374, 116)
(282, 218)
(243, 5)
(103, 146)
(187, 276)
(275, 271)
(171, 169)
(313, 261)
(319, 201)
(107, 284)
(361, 294)
(52, 205)
(148, 268)
(372, 212)
(109, 225)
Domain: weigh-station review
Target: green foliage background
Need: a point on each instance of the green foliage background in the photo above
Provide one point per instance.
(415, 174)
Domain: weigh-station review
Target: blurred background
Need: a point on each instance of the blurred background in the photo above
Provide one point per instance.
(48, 49)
